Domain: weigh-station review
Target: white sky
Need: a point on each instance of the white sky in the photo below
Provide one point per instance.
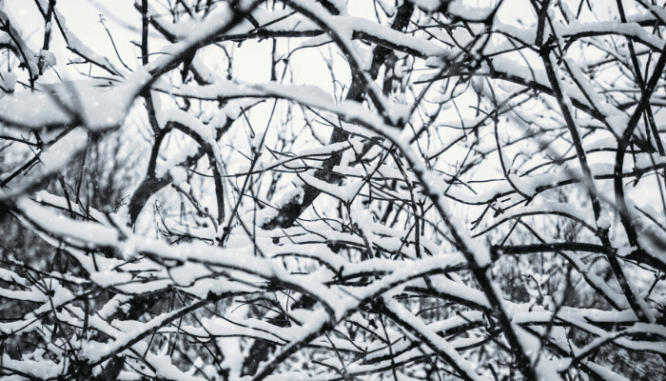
(123, 20)
(251, 60)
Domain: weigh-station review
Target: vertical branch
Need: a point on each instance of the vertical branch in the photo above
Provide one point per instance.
(291, 211)
(145, 20)
(147, 95)
(638, 76)
(573, 130)
(47, 25)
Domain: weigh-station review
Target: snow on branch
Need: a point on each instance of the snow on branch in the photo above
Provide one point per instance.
(332, 190)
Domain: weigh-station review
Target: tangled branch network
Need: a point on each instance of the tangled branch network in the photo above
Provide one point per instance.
(330, 190)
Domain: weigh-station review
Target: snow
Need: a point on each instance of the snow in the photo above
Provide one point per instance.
(206, 233)
(190, 121)
(301, 260)
(411, 270)
(47, 198)
(8, 81)
(34, 295)
(316, 41)
(363, 218)
(605, 219)
(178, 175)
(205, 288)
(230, 327)
(523, 185)
(312, 96)
(652, 239)
(11, 277)
(96, 104)
(110, 278)
(77, 46)
(62, 151)
(605, 373)
(174, 157)
(343, 193)
(380, 34)
(113, 305)
(616, 119)
(48, 57)
(222, 89)
(436, 342)
(14, 37)
(86, 233)
(32, 110)
(95, 351)
(612, 27)
(463, 318)
(231, 111)
(165, 369)
(563, 209)
(41, 369)
(457, 289)
(462, 9)
(428, 5)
